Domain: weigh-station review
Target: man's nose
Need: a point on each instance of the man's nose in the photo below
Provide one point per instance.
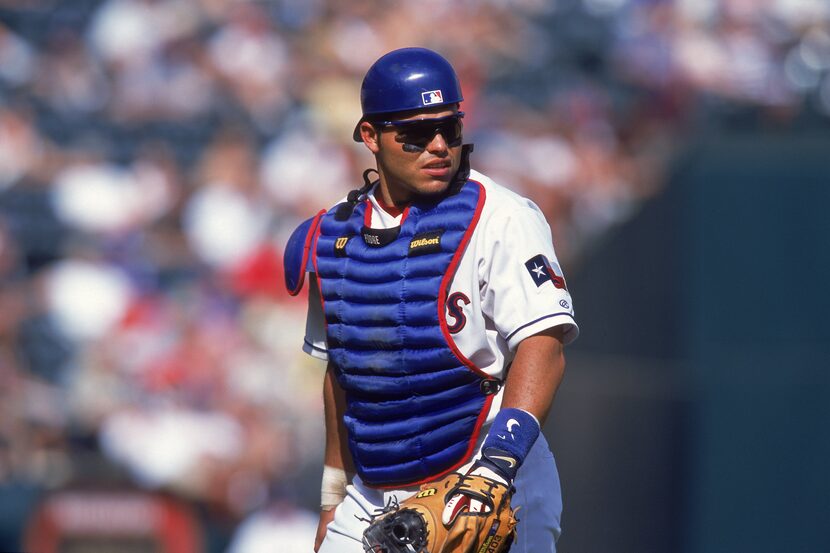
(438, 144)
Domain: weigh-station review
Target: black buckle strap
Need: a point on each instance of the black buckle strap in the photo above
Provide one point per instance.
(490, 386)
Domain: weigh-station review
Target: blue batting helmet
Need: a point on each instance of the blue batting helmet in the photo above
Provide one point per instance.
(407, 79)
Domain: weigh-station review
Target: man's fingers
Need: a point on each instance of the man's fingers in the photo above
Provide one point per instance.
(325, 518)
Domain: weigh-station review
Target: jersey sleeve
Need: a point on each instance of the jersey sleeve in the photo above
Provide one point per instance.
(523, 288)
(314, 342)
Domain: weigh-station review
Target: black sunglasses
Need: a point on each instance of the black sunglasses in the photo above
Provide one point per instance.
(416, 134)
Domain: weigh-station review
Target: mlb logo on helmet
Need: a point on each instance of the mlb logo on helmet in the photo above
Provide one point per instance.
(432, 97)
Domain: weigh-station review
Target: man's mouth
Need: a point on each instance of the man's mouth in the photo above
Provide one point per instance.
(437, 169)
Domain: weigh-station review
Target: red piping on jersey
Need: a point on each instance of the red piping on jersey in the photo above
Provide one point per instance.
(315, 223)
(448, 276)
(367, 214)
(392, 210)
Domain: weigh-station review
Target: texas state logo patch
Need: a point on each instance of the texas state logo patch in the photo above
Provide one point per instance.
(542, 270)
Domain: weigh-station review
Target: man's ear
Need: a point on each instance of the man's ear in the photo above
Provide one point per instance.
(371, 136)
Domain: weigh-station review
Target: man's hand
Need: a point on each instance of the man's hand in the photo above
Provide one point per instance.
(418, 524)
(325, 518)
(494, 464)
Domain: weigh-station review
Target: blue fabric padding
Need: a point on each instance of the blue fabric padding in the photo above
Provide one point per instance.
(383, 411)
(296, 259)
(430, 443)
(411, 386)
(379, 431)
(420, 469)
(412, 406)
(514, 431)
(387, 313)
(368, 362)
(386, 337)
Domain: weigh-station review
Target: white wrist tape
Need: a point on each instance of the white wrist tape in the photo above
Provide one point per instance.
(333, 487)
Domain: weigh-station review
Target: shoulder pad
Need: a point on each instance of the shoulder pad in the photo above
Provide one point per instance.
(297, 259)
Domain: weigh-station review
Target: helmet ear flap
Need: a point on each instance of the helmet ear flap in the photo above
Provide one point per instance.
(407, 79)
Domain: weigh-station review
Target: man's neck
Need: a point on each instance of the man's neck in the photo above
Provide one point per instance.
(390, 208)
(386, 200)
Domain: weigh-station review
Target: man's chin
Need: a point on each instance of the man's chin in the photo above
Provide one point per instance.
(433, 190)
(433, 187)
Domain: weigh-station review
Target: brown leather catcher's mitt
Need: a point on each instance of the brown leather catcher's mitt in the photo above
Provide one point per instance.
(440, 518)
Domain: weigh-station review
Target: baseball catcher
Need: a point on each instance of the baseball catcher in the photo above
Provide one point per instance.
(436, 299)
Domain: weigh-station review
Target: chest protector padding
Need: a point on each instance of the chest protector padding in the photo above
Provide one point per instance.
(414, 406)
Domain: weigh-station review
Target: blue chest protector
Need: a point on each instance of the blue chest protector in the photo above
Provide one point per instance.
(415, 404)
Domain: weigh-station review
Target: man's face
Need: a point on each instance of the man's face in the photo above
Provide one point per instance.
(419, 155)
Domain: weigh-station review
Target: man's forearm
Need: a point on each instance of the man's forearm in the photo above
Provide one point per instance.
(535, 374)
(334, 402)
(338, 467)
(532, 381)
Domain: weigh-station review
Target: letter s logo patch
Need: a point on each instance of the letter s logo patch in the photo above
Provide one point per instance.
(456, 311)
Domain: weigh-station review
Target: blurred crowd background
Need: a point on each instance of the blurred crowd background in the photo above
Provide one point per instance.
(155, 155)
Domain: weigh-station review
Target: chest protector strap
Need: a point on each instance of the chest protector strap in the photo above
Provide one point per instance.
(415, 404)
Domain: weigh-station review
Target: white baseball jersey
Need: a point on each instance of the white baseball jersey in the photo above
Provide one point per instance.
(508, 285)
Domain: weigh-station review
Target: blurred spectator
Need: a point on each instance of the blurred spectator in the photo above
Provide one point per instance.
(20, 146)
(252, 62)
(69, 79)
(17, 59)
